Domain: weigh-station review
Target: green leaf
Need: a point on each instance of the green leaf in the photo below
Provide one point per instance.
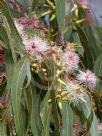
(68, 14)
(88, 53)
(9, 67)
(99, 33)
(2, 88)
(94, 126)
(67, 119)
(98, 66)
(5, 10)
(2, 128)
(87, 111)
(2, 44)
(89, 121)
(45, 112)
(11, 43)
(35, 121)
(95, 47)
(4, 37)
(60, 11)
(77, 40)
(90, 45)
(55, 113)
(20, 73)
(28, 100)
(15, 13)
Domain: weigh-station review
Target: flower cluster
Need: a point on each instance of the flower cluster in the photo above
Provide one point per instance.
(67, 60)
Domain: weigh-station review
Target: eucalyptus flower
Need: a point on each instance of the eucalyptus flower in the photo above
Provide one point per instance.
(69, 61)
(75, 93)
(88, 78)
(36, 46)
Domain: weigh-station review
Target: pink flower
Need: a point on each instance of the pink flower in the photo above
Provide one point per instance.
(69, 61)
(88, 78)
(75, 92)
(36, 46)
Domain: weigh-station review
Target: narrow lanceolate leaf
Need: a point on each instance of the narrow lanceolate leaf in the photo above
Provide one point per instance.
(9, 67)
(5, 10)
(8, 56)
(20, 74)
(68, 15)
(98, 66)
(28, 100)
(94, 126)
(11, 43)
(87, 111)
(60, 12)
(95, 47)
(67, 119)
(99, 33)
(33, 117)
(2, 88)
(2, 128)
(55, 113)
(35, 121)
(45, 112)
(89, 121)
(4, 37)
(88, 54)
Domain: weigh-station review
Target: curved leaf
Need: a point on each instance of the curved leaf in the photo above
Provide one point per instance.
(88, 54)
(67, 119)
(20, 73)
(98, 66)
(4, 37)
(60, 11)
(35, 121)
(9, 67)
(2, 128)
(5, 10)
(89, 43)
(45, 114)
(87, 111)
